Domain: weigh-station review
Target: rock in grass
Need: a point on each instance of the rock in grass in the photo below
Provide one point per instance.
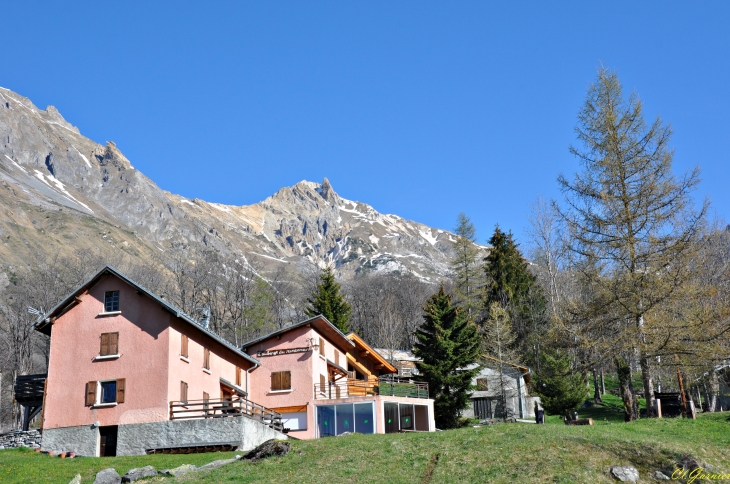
(625, 474)
(76, 479)
(139, 473)
(269, 448)
(107, 476)
(688, 463)
(179, 470)
(216, 464)
(660, 476)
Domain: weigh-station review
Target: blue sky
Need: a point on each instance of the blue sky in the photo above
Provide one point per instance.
(421, 109)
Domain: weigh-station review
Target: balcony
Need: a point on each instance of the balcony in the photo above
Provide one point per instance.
(394, 387)
(223, 408)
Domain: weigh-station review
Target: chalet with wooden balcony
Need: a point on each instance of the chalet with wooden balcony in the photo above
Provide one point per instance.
(129, 374)
(323, 383)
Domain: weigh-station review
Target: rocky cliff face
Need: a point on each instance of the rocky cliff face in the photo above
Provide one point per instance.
(47, 166)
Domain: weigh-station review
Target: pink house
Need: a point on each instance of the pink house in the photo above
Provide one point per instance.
(323, 383)
(129, 373)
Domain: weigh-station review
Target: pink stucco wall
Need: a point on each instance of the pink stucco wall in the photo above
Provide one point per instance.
(223, 364)
(75, 343)
(149, 348)
(301, 366)
(305, 369)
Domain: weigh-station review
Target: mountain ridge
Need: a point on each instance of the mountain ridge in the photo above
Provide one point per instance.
(46, 163)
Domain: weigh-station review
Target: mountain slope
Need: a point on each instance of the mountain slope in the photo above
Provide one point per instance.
(56, 184)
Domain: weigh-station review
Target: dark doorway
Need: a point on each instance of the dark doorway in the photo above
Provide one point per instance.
(482, 408)
(108, 441)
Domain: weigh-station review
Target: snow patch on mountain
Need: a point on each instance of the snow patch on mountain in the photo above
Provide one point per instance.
(61, 188)
(15, 164)
(86, 160)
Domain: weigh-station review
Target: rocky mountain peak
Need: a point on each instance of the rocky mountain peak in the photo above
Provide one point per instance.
(52, 115)
(110, 155)
(326, 190)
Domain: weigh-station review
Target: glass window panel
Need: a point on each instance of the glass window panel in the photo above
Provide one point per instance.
(364, 418)
(421, 417)
(111, 301)
(326, 420)
(390, 411)
(406, 416)
(345, 419)
(108, 392)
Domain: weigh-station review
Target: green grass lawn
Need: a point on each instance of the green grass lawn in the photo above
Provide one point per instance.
(498, 453)
(25, 465)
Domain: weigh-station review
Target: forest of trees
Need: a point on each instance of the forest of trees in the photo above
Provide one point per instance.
(623, 276)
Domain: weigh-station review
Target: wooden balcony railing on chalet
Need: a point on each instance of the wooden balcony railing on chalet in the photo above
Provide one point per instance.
(394, 387)
(221, 408)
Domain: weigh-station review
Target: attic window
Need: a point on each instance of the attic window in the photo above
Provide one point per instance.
(111, 301)
(482, 385)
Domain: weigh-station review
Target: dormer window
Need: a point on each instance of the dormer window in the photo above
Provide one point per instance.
(111, 301)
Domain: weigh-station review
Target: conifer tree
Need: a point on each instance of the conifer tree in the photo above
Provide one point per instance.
(510, 283)
(465, 266)
(629, 217)
(560, 388)
(447, 341)
(328, 302)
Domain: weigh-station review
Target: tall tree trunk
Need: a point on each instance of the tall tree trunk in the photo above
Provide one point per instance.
(603, 381)
(708, 398)
(627, 388)
(714, 392)
(596, 388)
(682, 394)
(646, 372)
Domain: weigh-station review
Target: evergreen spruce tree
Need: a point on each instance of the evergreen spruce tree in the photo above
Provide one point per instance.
(510, 283)
(561, 389)
(328, 302)
(465, 266)
(447, 341)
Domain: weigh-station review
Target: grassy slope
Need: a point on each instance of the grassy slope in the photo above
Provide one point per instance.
(498, 453)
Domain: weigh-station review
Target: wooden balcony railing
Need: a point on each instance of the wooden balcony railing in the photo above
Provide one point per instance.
(358, 388)
(221, 408)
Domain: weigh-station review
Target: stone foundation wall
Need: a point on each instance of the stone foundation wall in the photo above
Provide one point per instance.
(82, 440)
(134, 439)
(32, 438)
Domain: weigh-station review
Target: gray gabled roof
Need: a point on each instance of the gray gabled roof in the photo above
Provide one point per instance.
(320, 322)
(43, 323)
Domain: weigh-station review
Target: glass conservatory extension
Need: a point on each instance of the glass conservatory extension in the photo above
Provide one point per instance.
(345, 417)
(360, 417)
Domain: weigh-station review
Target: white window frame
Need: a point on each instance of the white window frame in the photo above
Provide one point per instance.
(97, 400)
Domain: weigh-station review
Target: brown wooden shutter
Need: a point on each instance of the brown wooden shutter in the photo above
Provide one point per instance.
(321, 346)
(113, 343)
(206, 397)
(238, 376)
(90, 393)
(104, 350)
(184, 346)
(183, 392)
(121, 390)
(322, 383)
(276, 380)
(286, 380)
(337, 357)
(206, 359)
